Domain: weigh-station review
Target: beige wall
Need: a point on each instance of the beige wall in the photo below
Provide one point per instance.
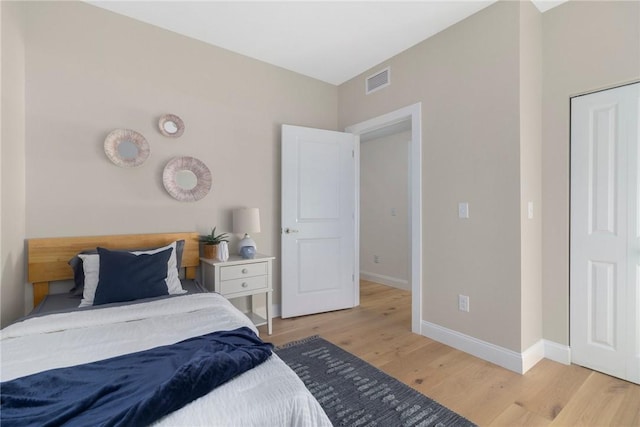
(89, 71)
(587, 46)
(12, 217)
(467, 78)
(384, 185)
(530, 172)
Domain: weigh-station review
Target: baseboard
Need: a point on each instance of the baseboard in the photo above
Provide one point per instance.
(508, 359)
(385, 280)
(557, 352)
(532, 355)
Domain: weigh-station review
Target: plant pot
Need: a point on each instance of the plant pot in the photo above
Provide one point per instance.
(210, 251)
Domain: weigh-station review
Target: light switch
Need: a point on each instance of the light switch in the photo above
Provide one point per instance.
(393, 211)
(463, 210)
(530, 210)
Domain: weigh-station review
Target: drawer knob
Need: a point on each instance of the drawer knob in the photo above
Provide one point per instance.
(245, 284)
(245, 271)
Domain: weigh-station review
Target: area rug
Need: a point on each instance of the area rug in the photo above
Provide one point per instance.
(355, 393)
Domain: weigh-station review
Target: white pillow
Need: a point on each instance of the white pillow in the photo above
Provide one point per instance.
(91, 267)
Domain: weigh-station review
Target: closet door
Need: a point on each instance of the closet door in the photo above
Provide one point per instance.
(605, 232)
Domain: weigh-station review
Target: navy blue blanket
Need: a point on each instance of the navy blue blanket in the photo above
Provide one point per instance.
(134, 389)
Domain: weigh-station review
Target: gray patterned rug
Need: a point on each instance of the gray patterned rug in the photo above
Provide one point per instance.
(355, 393)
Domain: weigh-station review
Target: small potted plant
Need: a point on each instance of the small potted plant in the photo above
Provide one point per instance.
(211, 241)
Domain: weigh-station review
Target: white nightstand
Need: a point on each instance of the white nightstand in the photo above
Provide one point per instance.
(239, 277)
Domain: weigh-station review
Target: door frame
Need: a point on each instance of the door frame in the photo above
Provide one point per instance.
(414, 113)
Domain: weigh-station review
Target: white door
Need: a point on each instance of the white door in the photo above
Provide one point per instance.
(605, 232)
(318, 220)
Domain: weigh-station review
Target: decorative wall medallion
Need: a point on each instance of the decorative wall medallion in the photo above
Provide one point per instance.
(171, 125)
(186, 179)
(126, 148)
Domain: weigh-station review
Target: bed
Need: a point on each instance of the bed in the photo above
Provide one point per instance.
(269, 394)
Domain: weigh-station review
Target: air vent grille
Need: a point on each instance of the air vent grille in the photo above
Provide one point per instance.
(378, 80)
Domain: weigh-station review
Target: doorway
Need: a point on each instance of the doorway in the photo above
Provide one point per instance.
(384, 205)
(605, 232)
(413, 115)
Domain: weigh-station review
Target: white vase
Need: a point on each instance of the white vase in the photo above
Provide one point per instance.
(223, 251)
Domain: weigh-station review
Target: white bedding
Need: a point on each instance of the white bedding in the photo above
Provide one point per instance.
(268, 395)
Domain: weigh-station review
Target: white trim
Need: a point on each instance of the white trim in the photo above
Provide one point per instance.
(508, 359)
(532, 355)
(356, 222)
(385, 280)
(414, 113)
(557, 352)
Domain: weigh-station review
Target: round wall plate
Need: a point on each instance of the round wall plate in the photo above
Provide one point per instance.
(126, 148)
(186, 179)
(171, 125)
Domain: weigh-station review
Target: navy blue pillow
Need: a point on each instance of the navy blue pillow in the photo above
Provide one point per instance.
(127, 277)
(78, 270)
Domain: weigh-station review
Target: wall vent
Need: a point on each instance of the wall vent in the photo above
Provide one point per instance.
(378, 80)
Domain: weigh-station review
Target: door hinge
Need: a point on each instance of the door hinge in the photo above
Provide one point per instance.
(353, 154)
(353, 277)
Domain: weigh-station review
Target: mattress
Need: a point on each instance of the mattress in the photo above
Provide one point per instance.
(57, 303)
(269, 395)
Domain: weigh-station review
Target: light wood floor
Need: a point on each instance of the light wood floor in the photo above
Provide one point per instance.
(550, 394)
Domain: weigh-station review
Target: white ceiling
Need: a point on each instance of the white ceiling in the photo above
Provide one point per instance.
(331, 41)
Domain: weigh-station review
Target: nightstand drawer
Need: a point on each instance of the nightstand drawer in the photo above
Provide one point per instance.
(241, 271)
(228, 287)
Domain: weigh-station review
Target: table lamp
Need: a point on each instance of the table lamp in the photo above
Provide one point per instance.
(245, 221)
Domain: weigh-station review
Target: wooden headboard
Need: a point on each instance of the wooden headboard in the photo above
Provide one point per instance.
(48, 258)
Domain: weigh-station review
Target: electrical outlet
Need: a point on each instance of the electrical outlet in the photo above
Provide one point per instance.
(376, 259)
(463, 303)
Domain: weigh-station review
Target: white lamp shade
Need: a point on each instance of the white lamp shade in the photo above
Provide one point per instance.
(246, 220)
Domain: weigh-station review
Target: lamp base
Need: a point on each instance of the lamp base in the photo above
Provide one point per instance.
(246, 241)
(247, 252)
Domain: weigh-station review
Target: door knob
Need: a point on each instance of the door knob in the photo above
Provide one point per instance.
(290, 230)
